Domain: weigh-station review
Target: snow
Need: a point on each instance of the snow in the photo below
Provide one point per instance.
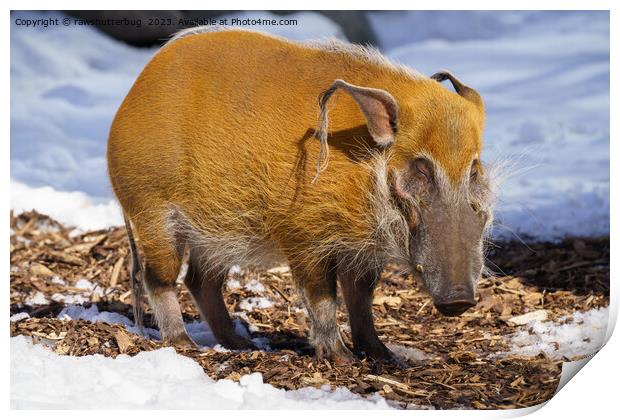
(37, 299)
(69, 299)
(199, 331)
(92, 314)
(581, 334)
(235, 270)
(407, 353)
(19, 316)
(544, 77)
(58, 280)
(251, 303)
(233, 284)
(87, 290)
(254, 286)
(71, 208)
(84, 284)
(66, 85)
(156, 379)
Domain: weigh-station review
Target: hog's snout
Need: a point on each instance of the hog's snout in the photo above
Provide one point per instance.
(459, 300)
(454, 308)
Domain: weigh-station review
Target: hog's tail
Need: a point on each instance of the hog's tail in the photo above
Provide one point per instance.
(137, 292)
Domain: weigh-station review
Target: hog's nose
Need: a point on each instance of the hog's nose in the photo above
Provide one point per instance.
(457, 300)
(455, 307)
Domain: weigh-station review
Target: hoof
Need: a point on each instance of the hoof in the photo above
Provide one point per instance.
(339, 354)
(378, 353)
(182, 341)
(237, 342)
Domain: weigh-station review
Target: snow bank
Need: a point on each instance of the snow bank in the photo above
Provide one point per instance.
(66, 85)
(581, 334)
(544, 77)
(157, 379)
(545, 80)
(70, 208)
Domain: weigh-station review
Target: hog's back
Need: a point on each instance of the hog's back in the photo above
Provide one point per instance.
(221, 126)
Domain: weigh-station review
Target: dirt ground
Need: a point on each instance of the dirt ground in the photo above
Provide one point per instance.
(447, 362)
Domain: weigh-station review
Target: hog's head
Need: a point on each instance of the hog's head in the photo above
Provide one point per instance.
(436, 180)
(447, 198)
(447, 227)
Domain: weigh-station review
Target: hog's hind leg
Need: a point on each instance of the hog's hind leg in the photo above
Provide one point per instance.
(162, 263)
(205, 284)
(164, 302)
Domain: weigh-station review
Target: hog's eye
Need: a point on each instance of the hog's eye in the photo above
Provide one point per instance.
(475, 206)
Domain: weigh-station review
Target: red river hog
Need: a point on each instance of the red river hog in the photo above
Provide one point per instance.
(247, 148)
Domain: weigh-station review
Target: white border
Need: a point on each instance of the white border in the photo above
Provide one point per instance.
(592, 394)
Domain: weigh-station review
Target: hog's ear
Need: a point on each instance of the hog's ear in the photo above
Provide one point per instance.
(460, 88)
(377, 105)
(415, 180)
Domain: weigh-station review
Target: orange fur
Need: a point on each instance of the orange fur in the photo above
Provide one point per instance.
(214, 145)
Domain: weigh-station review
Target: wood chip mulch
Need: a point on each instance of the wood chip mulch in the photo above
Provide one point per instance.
(447, 362)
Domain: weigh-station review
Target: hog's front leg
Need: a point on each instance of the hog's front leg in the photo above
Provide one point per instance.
(358, 291)
(318, 289)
